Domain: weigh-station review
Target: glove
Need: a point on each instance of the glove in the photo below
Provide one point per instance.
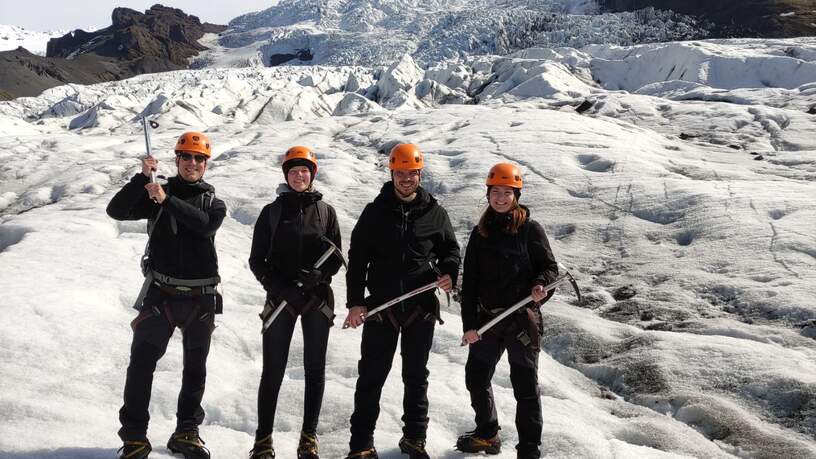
(294, 296)
(267, 284)
(298, 299)
(310, 278)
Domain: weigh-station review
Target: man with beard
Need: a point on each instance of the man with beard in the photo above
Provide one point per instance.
(181, 273)
(402, 240)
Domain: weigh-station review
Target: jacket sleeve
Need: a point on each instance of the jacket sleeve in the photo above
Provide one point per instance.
(261, 241)
(132, 201)
(332, 265)
(204, 223)
(541, 255)
(359, 256)
(447, 251)
(470, 283)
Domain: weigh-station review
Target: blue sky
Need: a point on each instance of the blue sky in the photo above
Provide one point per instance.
(46, 15)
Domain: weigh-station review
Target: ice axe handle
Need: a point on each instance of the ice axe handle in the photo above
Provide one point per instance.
(398, 299)
(146, 125)
(268, 322)
(567, 277)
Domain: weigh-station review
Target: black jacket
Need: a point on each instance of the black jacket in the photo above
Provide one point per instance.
(392, 245)
(497, 274)
(190, 252)
(297, 243)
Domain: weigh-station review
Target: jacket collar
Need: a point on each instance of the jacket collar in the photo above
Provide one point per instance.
(388, 198)
(185, 189)
(285, 192)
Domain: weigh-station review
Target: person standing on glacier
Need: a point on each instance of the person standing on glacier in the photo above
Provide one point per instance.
(291, 235)
(181, 272)
(508, 258)
(402, 240)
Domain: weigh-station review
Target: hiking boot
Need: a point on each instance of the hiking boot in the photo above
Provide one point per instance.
(415, 449)
(135, 449)
(263, 449)
(368, 453)
(472, 443)
(188, 444)
(528, 453)
(307, 448)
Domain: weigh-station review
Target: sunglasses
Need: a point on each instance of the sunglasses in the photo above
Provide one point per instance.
(189, 157)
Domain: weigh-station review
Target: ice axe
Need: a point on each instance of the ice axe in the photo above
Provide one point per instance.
(405, 296)
(147, 125)
(268, 315)
(566, 277)
(396, 300)
(336, 249)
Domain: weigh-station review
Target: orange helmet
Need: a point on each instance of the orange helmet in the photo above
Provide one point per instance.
(405, 156)
(504, 174)
(299, 154)
(195, 142)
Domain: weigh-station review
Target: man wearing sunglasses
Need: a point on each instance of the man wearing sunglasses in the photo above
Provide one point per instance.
(181, 273)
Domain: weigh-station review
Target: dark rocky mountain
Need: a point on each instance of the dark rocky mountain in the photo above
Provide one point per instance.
(161, 32)
(737, 18)
(158, 40)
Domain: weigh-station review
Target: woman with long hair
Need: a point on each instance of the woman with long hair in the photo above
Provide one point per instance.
(290, 237)
(508, 258)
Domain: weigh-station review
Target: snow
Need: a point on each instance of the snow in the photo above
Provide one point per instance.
(12, 37)
(688, 200)
(756, 64)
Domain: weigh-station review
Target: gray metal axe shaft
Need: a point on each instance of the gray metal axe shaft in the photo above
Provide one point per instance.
(148, 147)
(396, 300)
(567, 277)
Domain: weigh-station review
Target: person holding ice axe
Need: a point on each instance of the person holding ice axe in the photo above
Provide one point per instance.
(402, 248)
(295, 252)
(508, 261)
(180, 266)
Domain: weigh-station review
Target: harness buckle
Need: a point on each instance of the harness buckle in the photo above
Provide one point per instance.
(524, 338)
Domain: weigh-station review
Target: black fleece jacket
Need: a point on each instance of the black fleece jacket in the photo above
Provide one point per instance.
(297, 243)
(497, 274)
(190, 252)
(392, 245)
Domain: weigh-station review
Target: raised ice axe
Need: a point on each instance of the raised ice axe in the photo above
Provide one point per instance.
(147, 125)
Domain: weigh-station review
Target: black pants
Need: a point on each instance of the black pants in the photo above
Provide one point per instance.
(481, 364)
(276, 342)
(151, 333)
(378, 346)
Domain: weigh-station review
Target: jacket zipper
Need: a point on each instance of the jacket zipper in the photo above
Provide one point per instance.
(403, 230)
(300, 234)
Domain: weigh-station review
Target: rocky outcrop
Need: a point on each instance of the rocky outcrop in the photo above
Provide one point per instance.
(163, 33)
(158, 40)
